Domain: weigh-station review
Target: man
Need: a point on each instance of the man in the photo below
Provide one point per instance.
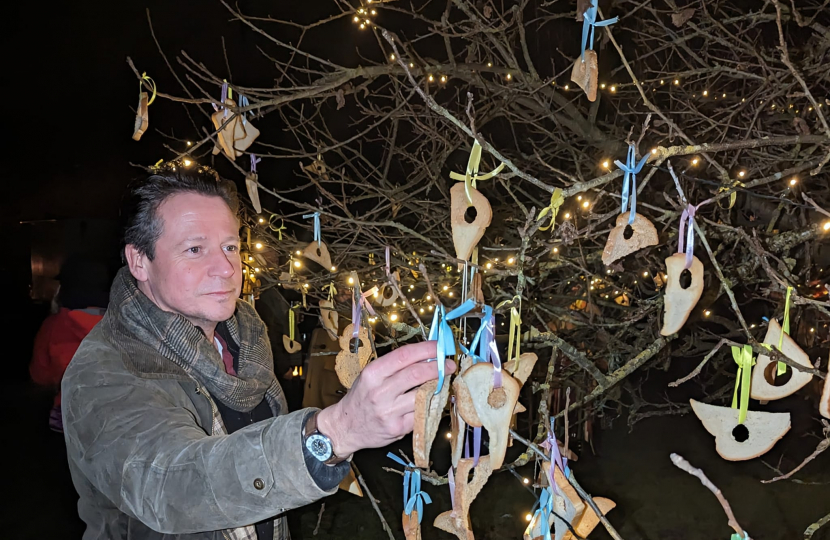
(174, 422)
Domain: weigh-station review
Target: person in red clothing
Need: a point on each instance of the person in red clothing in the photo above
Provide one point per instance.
(83, 292)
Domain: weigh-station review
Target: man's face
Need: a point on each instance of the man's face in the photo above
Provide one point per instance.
(197, 271)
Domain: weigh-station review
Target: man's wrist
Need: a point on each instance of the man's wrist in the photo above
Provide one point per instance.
(328, 425)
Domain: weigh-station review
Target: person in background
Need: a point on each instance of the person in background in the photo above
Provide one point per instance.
(80, 305)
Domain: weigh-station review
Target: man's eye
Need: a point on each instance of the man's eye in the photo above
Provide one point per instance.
(194, 249)
(232, 248)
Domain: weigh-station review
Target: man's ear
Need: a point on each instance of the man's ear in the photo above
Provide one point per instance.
(138, 262)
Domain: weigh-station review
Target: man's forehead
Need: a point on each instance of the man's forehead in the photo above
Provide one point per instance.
(190, 216)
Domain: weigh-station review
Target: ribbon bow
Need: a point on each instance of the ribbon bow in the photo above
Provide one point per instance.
(556, 200)
(589, 22)
(785, 329)
(243, 102)
(332, 291)
(631, 169)
(688, 216)
(279, 229)
(543, 512)
(471, 174)
(743, 380)
(152, 84)
(441, 332)
(316, 216)
(359, 302)
(413, 497)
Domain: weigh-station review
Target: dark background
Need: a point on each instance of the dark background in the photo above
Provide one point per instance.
(69, 98)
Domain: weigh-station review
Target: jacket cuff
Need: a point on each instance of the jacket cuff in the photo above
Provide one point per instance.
(327, 477)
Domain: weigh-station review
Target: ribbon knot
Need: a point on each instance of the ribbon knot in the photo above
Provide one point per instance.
(413, 497)
(441, 332)
(254, 161)
(589, 23)
(316, 216)
(332, 290)
(542, 513)
(688, 217)
(279, 229)
(556, 460)
(629, 191)
(152, 84)
(743, 379)
(243, 102)
(471, 174)
(358, 303)
(556, 200)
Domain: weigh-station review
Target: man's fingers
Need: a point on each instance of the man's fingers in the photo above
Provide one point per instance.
(389, 364)
(408, 423)
(415, 375)
(404, 403)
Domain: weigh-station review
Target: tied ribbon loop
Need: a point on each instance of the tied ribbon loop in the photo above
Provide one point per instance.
(316, 216)
(279, 229)
(589, 23)
(785, 329)
(413, 497)
(152, 84)
(688, 217)
(471, 174)
(629, 191)
(515, 336)
(254, 161)
(542, 513)
(484, 340)
(556, 200)
(332, 291)
(441, 332)
(359, 302)
(743, 379)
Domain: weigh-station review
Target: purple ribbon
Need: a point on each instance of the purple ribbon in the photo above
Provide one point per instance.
(358, 301)
(388, 258)
(556, 459)
(224, 97)
(451, 483)
(687, 234)
(254, 161)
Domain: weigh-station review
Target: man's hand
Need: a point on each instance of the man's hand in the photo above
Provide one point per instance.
(379, 408)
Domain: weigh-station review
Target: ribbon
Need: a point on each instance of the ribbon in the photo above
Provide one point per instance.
(243, 102)
(736, 536)
(445, 342)
(152, 84)
(388, 259)
(291, 323)
(359, 302)
(413, 497)
(556, 200)
(687, 216)
(451, 484)
(543, 512)
(589, 22)
(484, 340)
(471, 174)
(743, 379)
(332, 291)
(631, 169)
(279, 229)
(515, 328)
(223, 97)
(254, 161)
(316, 216)
(785, 329)
(556, 459)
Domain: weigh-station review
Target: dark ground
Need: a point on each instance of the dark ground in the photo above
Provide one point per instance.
(655, 501)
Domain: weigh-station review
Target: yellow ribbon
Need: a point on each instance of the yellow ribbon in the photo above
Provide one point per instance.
(291, 323)
(332, 291)
(743, 357)
(515, 335)
(230, 90)
(279, 229)
(556, 200)
(152, 83)
(785, 329)
(732, 196)
(471, 175)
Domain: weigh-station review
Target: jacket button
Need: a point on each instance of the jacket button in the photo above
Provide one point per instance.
(259, 484)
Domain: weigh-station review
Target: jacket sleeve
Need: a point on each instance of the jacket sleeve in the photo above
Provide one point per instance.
(150, 458)
(41, 369)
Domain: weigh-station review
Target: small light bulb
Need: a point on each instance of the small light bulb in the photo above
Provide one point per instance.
(645, 274)
(567, 215)
(450, 294)
(449, 435)
(250, 258)
(653, 150)
(662, 81)
(393, 317)
(297, 264)
(374, 12)
(556, 250)
(676, 82)
(429, 297)
(351, 281)
(489, 64)
(443, 78)
(826, 226)
(793, 181)
(489, 265)
(412, 65)
(392, 56)
(706, 92)
(261, 220)
(187, 163)
(430, 78)
(567, 87)
(258, 245)
(525, 480)
(256, 269)
(613, 88)
(812, 330)
(602, 86)
(528, 517)
(356, 18)
(430, 308)
(510, 260)
(305, 285)
(695, 161)
(579, 198)
(742, 174)
(421, 310)
(509, 76)
(189, 143)
(298, 252)
(724, 95)
(586, 204)
(706, 313)
(362, 26)
(376, 294)
(606, 164)
(446, 287)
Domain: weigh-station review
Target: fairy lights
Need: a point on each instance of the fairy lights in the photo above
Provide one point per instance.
(695, 161)
(705, 93)
(826, 226)
(793, 181)
(392, 57)
(508, 76)
(187, 162)
(606, 164)
(430, 78)
(511, 260)
(393, 317)
(258, 245)
(742, 174)
(334, 269)
(613, 88)
(443, 78)
(567, 215)
(297, 264)
(261, 220)
(351, 280)
(586, 204)
(298, 252)
(706, 313)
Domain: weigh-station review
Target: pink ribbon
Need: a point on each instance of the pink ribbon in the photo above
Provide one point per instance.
(361, 303)
(687, 234)
(388, 267)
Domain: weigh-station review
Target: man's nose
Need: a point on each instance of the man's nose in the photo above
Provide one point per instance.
(221, 264)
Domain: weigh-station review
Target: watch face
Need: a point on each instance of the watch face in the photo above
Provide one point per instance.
(319, 446)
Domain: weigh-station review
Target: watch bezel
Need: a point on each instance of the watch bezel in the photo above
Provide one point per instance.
(310, 444)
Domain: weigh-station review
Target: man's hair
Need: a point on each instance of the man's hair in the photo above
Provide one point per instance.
(142, 224)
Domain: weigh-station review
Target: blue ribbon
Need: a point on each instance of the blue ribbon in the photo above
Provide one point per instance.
(589, 22)
(631, 169)
(442, 334)
(316, 216)
(413, 497)
(243, 102)
(544, 511)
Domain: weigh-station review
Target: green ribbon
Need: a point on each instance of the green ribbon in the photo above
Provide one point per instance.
(743, 380)
(785, 329)
(556, 200)
(471, 175)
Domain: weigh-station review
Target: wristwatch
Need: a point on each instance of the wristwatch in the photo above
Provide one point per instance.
(318, 444)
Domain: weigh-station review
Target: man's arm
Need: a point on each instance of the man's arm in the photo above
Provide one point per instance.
(152, 460)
